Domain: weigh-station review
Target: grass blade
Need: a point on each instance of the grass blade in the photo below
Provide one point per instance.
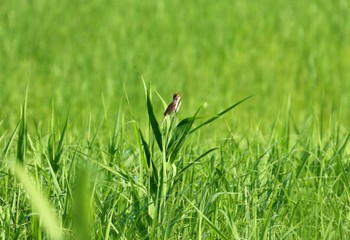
(154, 123)
(39, 202)
(215, 228)
(8, 145)
(151, 166)
(220, 114)
(82, 205)
(194, 161)
(22, 134)
(180, 133)
(60, 143)
(56, 153)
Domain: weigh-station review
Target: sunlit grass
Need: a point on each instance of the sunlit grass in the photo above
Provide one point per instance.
(83, 153)
(169, 185)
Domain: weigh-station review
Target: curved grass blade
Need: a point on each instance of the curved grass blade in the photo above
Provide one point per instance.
(82, 214)
(154, 123)
(194, 161)
(215, 228)
(220, 114)
(137, 132)
(151, 166)
(39, 202)
(160, 97)
(146, 150)
(115, 139)
(7, 147)
(22, 133)
(180, 133)
(3, 133)
(55, 156)
(151, 116)
(339, 153)
(119, 172)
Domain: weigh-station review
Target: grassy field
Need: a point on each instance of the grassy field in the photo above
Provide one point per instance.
(83, 86)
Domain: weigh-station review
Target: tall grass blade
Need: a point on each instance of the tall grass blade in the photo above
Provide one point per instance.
(117, 171)
(154, 123)
(179, 135)
(153, 169)
(193, 162)
(8, 145)
(22, 134)
(215, 228)
(137, 132)
(3, 133)
(305, 156)
(146, 149)
(56, 153)
(143, 158)
(152, 119)
(39, 202)
(338, 157)
(82, 205)
(160, 97)
(115, 139)
(220, 114)
(60, 143)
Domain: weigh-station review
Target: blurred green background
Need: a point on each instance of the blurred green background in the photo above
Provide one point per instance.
(81, 53)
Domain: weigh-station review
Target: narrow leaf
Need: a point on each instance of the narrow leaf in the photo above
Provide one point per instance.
(6, 149)
(153, 169)
(145, 149)
(154, 123)
(22, 133)
(220, 114)
(180, 133)
(39, 202)
(193, 162)
(60, 143)
(215, 228)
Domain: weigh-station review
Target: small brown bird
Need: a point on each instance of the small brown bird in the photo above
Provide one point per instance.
(173, 106)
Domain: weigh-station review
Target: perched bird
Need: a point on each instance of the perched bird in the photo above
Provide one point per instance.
(173, 106)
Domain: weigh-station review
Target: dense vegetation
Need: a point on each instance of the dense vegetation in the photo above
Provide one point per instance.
(83, 86)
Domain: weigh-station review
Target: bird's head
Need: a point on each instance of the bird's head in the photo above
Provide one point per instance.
(176, 97)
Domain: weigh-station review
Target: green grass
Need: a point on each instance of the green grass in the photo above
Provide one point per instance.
(82, 92)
